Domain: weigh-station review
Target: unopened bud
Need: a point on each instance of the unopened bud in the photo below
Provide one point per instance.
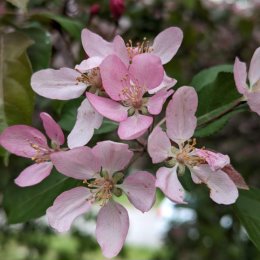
(117, 8)
(94, 9)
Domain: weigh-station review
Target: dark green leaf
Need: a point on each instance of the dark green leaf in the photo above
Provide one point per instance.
(23, 204)
(106, 127)
(16, 95)
(40, 52)
(247, 209)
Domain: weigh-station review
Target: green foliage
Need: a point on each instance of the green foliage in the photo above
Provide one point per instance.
(21, 4)
(247, 209)
(107, 126)
(16, 95)
(23, 204)
(217, 97)
(40, 52)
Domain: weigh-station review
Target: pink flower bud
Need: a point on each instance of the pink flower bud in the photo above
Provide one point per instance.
(117, 8)
(94, 9)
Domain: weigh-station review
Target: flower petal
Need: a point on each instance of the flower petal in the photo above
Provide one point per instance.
(235, 176)
(240, 75)
(78, 163)
(146, 70)
(114, 76)
(52, 129)
(19, 140)
(155, 103)
(68, 206)
(134, 127)
(180, 114)
(253, 100)
(159, 145)
(95, 45)
(108, 107)
(59, 84)
(34, 174)
(112, 156)
(216, 161)
(140, 190)
(222, 189)
(167, 83)
(167, 181)
(88, 119)
(89, 64)
(167, 43)
(120, 49)
(112, 228)
(254, 69)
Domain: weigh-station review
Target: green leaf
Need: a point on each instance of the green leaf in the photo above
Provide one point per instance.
(23, 204)
(21, 4)
(247, 209)
(106, 127)
(16, 95)
(73, 27)
(69, 114)
(208, 76)
(40, 52)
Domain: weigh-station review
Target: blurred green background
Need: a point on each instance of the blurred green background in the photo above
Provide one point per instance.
(215, 32)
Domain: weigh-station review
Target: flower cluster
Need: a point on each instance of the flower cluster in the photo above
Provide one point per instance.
(126, 83)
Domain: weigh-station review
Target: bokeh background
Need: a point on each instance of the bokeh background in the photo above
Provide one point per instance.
(215, 32)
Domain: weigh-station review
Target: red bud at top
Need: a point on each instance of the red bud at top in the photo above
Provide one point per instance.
(94, 9)
(117, 8)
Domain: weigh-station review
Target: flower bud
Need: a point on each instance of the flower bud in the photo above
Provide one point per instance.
(117, 8)
(94, 9)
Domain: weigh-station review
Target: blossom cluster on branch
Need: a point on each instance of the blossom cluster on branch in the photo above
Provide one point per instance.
(125, 83)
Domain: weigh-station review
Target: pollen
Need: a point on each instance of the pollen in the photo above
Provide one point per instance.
(139, 48)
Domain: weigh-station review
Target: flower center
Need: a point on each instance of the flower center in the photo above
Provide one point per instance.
(101, 189)
(92, 77)
(186, 155)
(42, 154)
(139, 48)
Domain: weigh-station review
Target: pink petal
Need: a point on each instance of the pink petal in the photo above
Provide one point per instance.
(155, 103)
(167, 43)
(34, 174)
(146, 70)
(235, 176)
(216, 161)
(95, 45)
(253, 100)
(222, 188)
(59, 84)
(167, 83)
(89, 64)
(108, 107)
(134, 127)
(52, 129)
(88, 119)
(19, 139)
(140, 190)
(114, 76)
(167, 181)
(120, 49)
(68, 206)
(112, 228)
(180, 114)
(112, 156)
(159, 145)
(254, 69)
(78, 163)
(240, 76)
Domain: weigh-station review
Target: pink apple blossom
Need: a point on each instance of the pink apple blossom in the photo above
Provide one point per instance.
(101, 169)
(127, 88)
(178, 151)
(251, 91)
(26, 141)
